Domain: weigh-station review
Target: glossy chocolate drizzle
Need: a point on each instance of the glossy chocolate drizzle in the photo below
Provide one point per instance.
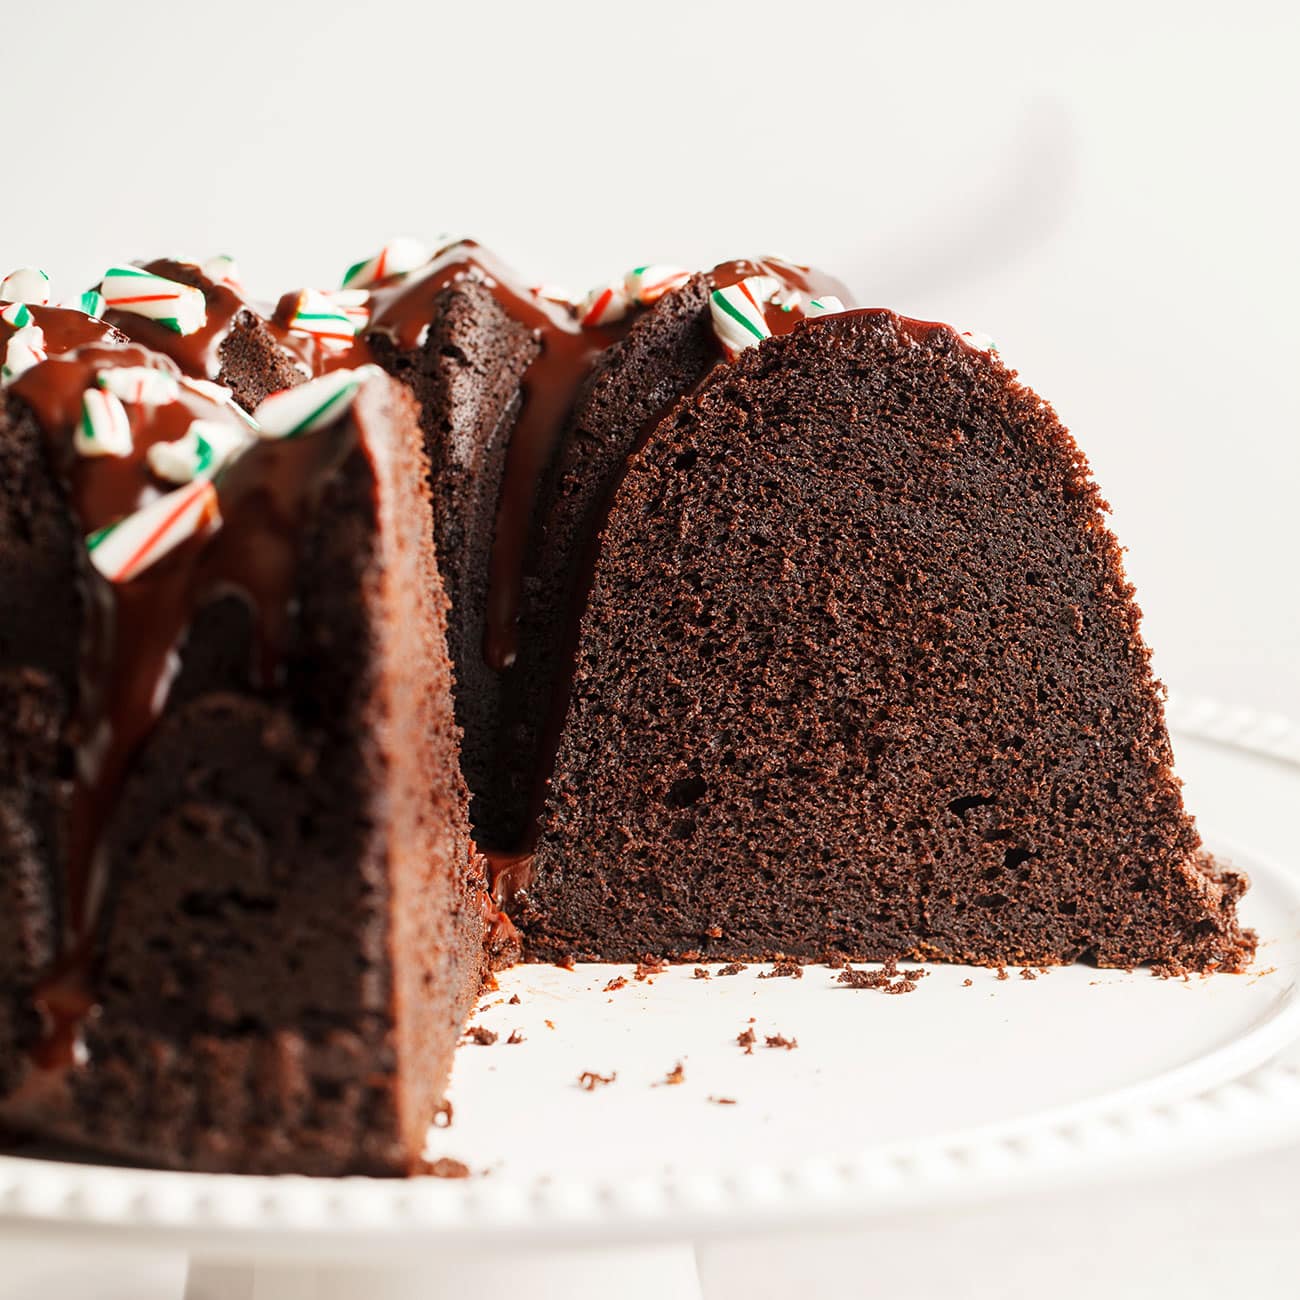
(134, 631)
(199, 354)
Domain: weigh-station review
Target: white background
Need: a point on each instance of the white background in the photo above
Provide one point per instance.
(1108, 189)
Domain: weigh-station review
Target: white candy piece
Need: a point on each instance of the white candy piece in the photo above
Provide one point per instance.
(199, 452)
(179, 307)
(556, 293)
(319, 316)
(25, 349)
(647, 284)
(604, 305)
(27, 284)
(830, 305)
(980, 342)
(129, 547)
(314, 405)
(141, 385)
(222, 269)
(737, 312)
(104, 428)
(397, 257)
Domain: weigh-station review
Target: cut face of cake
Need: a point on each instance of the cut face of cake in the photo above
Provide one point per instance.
(730, 621)
(859, 672)
(248, 921)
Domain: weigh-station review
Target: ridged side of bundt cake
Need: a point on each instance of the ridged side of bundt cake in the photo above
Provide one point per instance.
(266, 960)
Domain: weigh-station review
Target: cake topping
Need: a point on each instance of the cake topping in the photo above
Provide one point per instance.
(146, 384)
(127, 548)
(827, 306)
(320, 316)
(647, 284)
(605, 304)
(25, 349)
(27, 284)
(397, 257)
(17, 314)
(199, 452)
(222, 269)
(93, 303)
(105, 427)
(179, 307)
(738, 318)
(310, 406)
(980, 342)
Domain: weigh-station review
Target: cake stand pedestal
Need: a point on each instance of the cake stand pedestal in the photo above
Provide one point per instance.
(629, 1273)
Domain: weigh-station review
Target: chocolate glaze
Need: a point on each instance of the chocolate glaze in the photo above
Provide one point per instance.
(199, 355)
(135, 630)
(64, 329)
(402, 309)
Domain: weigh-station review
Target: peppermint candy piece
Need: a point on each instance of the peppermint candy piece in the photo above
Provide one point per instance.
(354, 304)
(104, 428)
(199, 452)
(311, 406)
(92, 303)
(179, 307)
(219, 394)
(830, 305)
(555, 293)
(27, 284)
(737, 312)
(604, 305)
(397, 257)
(25, 349)
(223, 270)
(17, 314)
(318, 316)
(980, 342)
(125, 549)
(647, 284)
(140, 385)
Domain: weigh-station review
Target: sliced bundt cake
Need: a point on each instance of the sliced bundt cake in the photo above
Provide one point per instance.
(245, 920)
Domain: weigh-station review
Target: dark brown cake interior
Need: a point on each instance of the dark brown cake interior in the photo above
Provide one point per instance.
(860, 672)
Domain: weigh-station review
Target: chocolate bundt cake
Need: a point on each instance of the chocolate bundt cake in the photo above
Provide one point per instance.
(728, 620)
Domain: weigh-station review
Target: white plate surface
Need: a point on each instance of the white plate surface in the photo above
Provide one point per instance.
(953, 1091)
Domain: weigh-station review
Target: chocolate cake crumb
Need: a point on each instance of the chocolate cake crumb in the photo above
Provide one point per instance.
(733, 968)
(780, 1040)
(1027, 974)
(782, 968)
(702, 974)
(514, 1001)
(746, 1039)
(442, 1116)
(1002, 973)
(914, 975)
(550, 1024)
(714, 932)
(864, 979)
(674, 1076)
(721, 1101)
(446, 1167)
(902, 986)
(967, 983)
(589, 1080)
(836, 960)
(649, 967)
(481, 1035)
(618, 982)
(567, 962)
(515, 1037)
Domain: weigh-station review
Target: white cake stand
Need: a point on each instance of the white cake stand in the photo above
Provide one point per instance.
(969, 1088)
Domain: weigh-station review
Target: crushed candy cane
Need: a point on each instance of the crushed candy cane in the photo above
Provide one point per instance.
(179, 307)
(27, 284)
(104, 428)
